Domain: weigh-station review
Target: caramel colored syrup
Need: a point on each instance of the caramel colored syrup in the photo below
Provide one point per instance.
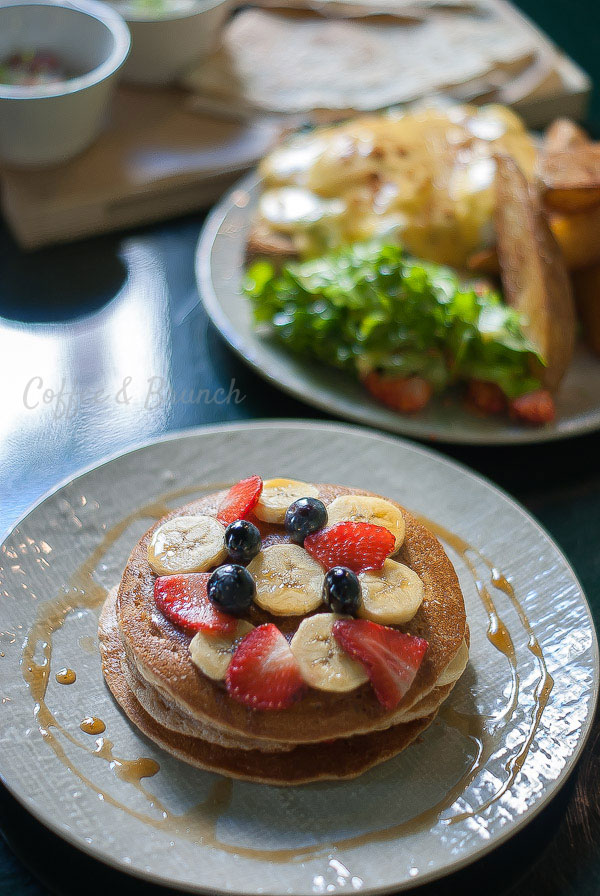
(66, 676)
(130, 770)
(498, 635)
(83, 592)
(199, 823)
(92, 725)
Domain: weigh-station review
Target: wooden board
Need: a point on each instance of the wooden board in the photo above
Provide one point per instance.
(157, 158)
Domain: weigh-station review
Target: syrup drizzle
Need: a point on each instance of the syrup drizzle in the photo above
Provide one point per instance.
(92, 725)
(498, 635)
(66, 676)
(199, 823)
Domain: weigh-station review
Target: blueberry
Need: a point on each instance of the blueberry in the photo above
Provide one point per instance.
(243, 541)
(341, 590)
(305, 516)
(231, 588)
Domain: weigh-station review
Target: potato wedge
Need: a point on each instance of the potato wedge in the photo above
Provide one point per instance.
(563, 135)
(484, 262)
(578, 236)
(586, 284)
(570, 180)
(534, 275)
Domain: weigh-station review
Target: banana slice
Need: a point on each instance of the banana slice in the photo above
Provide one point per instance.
(391, 595)
(366, 509)
(212, 652)
(288, 581)
(455, 667)
(323, 664)
(187, 544)
(278, 494)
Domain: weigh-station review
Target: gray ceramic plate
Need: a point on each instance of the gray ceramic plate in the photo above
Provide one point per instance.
(502, 746)
(219, 271)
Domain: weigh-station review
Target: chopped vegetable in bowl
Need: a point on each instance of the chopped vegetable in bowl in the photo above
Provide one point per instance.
(31, 68)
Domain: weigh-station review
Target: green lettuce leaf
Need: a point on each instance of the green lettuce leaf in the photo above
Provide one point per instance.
(370, 306)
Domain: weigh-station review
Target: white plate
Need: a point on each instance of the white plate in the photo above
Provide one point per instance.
(429, 811)
(219, 272)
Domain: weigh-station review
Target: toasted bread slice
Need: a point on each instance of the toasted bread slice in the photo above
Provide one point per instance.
(263, 243)
(533, 270)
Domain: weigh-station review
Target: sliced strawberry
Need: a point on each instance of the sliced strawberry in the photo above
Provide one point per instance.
(390, 658)
(535, 408)
(405, 394)
(357, 546)
(184, 600)
(263, 673)
(240, 500)
(486, 397)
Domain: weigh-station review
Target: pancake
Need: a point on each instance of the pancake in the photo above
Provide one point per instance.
(156, 652)
(339, 760)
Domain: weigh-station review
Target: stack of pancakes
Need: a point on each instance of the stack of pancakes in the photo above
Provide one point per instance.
(147, 665)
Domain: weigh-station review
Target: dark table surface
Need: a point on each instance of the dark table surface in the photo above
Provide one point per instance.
(124, 309)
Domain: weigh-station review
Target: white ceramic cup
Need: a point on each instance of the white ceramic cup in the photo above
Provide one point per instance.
(163, 47)
(48, 124)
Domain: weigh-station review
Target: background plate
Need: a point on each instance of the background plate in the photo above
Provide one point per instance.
(219, 271)
(493, 758)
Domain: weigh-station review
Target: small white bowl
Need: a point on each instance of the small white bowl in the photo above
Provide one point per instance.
(44, 125)
(164, 46)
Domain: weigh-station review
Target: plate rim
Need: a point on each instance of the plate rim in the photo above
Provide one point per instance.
(452, 436)
(294, 423)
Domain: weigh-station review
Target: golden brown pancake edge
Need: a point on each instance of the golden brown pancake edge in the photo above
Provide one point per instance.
(159, 651)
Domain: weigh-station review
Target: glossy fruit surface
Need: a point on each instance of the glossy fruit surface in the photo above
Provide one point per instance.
(231, 588)
(341, 590)
(243, 541)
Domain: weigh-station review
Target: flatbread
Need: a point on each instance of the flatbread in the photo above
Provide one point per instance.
(273, 62)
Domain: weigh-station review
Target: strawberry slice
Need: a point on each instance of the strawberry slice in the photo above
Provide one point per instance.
(263, 673)
(184, 600)
(405, 394)
(240, 500)
(535, 408)
(357, 546)
(390, 658)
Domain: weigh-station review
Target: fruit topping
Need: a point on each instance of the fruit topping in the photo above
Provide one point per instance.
(357, 546)
(404, 394)
(392, 595)
(183, 599)
(323, 663)
(211, 652)
(341, 590)
(486, 397)
(240, 500)
(231, 588)
(278, 494)
(263, 673)
(243, 541)
(390, 658)
(368, 509)
(187, 544)
(288, 581)
(535, 408)
(305, 516)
